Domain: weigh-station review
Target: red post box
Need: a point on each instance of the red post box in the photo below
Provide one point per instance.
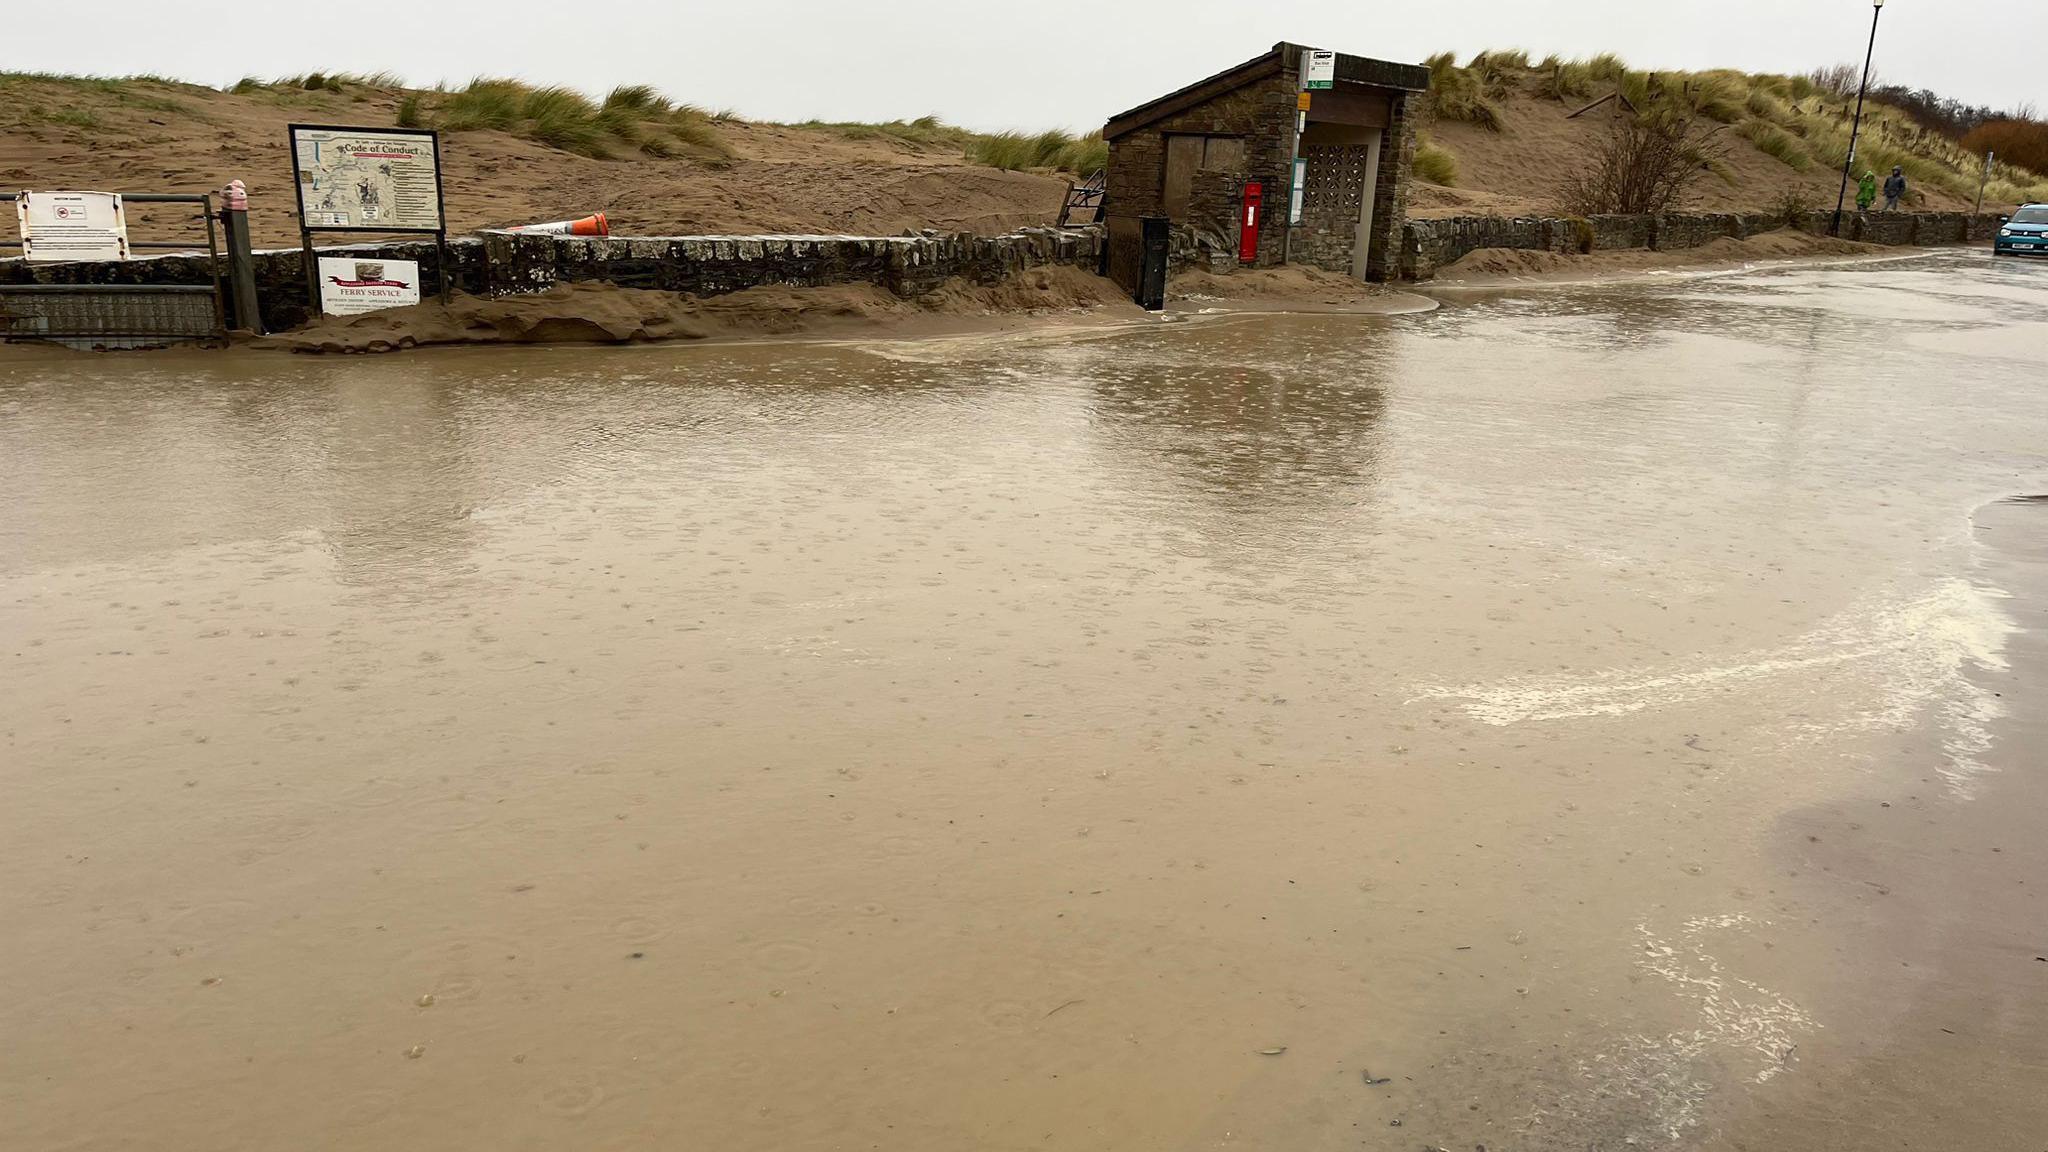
(1248, 218)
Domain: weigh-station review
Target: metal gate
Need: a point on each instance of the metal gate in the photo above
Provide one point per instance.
(1156, 247)
(135, 312)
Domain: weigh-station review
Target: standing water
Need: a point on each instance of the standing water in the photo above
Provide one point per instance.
(1597, 717)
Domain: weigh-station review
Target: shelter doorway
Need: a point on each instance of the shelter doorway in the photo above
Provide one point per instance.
(1340, 183)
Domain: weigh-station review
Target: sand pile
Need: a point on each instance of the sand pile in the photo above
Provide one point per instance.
(1293, 282)
(1038, 290)
(1511, 263)
(1504, 262)
(606, 314)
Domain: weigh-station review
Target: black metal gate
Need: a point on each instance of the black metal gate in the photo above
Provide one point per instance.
(118, 304)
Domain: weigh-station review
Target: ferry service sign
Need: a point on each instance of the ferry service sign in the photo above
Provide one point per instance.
(350, 287)
(72, 226)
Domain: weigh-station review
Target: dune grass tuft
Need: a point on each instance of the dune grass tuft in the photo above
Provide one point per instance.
(485, 104)
(71, 100)
(1499, 70)
(642, 100)
(698, 133)
(1765, 103)
(1010, 151)
(563, 118)
(1435, 164)
(556, 116)
(1460, 93)
(1775, 142)
(1721, 96)
(1017, 151)
(1567, 79)
(1606, 66)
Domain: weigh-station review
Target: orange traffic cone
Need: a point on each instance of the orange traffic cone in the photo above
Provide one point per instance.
(594, 225)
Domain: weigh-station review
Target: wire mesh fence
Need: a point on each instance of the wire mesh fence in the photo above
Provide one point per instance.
(107, 315)
(120, 315)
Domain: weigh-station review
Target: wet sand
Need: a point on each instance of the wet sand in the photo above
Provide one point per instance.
(1595, 717)
(1786, 248)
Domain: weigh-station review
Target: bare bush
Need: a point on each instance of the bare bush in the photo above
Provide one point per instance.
(2021, 142)
(1649, 163)
(1840, 80)
(1793, 207)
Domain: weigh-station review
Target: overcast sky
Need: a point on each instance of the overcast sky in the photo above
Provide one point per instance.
(995, 65)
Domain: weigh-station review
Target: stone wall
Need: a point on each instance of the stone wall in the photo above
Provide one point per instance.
(1919, 227)
(1331, 245)
(1210, 236)
(1390, 196)
(503, 262)
(1261, 113)
(1675, 231)
(1428, 245)
(1624, 231)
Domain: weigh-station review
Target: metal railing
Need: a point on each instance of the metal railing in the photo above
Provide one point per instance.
(85, 314)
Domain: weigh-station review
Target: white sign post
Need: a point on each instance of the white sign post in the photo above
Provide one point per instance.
(1318, 70)
(351, 287)
(367, 180)
(72, 226)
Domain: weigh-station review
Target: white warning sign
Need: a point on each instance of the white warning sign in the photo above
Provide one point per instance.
(377, 180)
(72, 226)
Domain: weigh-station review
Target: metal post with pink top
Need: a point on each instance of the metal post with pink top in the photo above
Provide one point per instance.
(234, 219)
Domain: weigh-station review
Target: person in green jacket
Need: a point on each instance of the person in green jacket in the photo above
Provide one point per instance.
(1866, 191)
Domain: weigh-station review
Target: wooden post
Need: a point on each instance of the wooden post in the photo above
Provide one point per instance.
(234, 218)
(310, 265)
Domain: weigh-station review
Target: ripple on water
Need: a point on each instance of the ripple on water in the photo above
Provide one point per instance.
(575, 1097)
(785, 957)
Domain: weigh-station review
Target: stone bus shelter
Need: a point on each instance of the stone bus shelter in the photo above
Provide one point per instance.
(1188, 155)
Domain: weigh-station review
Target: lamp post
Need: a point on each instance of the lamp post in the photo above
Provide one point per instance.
(1876, 10)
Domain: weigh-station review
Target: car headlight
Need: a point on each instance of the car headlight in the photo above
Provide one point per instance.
(2005, 231)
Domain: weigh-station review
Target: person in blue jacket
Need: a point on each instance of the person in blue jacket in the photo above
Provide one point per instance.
(1894, 187)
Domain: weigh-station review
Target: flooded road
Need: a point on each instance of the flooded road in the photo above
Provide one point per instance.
(1600, 717)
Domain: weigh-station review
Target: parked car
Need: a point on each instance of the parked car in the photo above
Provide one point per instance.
(2025, 232)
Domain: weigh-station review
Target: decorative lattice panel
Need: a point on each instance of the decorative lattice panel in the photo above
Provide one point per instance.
(1336, 177)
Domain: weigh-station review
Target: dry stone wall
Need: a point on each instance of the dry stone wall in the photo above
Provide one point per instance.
(1428, 245)
(503, 262)
(914, 265)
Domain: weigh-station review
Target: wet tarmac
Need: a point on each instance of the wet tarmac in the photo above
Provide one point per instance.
(1592, 717)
